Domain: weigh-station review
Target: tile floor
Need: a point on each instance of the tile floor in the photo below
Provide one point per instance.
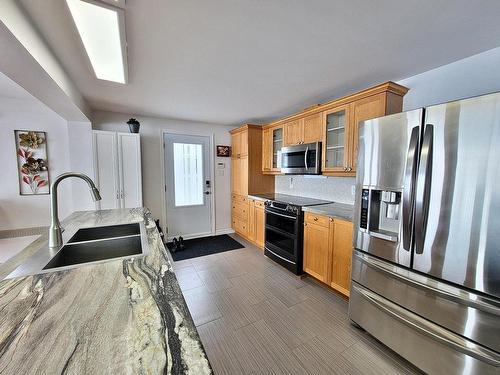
(255, 317)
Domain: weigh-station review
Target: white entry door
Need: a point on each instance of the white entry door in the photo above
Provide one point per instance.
(188, 185)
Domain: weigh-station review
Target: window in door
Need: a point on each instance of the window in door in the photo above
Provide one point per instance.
(188, 174)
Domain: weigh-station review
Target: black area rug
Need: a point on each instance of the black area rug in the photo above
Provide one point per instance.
(198, 247)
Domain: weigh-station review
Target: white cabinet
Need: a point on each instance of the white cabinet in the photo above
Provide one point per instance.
(117, 169)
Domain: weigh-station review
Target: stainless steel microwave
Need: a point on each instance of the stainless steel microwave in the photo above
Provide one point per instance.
(301, 159)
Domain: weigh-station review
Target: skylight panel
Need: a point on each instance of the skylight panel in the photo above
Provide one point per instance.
(102, 31)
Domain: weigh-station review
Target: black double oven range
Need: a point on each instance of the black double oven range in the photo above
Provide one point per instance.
(284, 229)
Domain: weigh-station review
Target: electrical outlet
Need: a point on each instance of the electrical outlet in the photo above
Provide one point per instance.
(291, 182)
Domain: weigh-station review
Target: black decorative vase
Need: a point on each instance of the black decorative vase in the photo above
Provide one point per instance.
(133, 125)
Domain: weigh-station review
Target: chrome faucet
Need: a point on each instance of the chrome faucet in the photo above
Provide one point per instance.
(55, 230)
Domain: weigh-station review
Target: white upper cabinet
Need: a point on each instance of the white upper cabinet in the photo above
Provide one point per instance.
(117, 168)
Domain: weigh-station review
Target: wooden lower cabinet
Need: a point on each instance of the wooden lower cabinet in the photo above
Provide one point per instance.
(316, 250)
(248, 219)
(341, 250)
(240, 214)
(260, 219)
(328, 250)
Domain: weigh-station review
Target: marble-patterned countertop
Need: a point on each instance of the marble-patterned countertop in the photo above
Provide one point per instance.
(260, 197)
(335, 210)
(125, 316)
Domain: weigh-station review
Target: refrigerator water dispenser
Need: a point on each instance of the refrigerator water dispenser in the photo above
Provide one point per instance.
(384, 214)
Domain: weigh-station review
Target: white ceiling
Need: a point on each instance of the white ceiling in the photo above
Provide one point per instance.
(232, 61)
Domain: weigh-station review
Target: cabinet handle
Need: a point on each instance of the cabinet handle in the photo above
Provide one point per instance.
(315, 219)
(117, 194)
(121, 194)
(349, 169)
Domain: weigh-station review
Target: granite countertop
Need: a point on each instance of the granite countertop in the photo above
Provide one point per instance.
(291, 199)
(116, 317)
(335, 210)
(261, 197)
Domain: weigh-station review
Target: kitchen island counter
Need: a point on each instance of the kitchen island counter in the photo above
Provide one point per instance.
(119, 316)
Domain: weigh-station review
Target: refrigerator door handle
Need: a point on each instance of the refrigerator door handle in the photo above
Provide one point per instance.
(423, 188)
(409, 183)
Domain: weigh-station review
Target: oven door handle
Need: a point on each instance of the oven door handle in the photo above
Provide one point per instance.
(305, 157)
(276, 213)
(279, 256)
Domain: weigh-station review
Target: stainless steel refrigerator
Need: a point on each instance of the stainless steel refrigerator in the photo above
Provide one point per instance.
(426, 262)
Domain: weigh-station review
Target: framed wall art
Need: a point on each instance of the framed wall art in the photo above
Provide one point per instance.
(223, 151)
(31, 149)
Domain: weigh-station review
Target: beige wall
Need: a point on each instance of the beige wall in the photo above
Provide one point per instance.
(151, 149)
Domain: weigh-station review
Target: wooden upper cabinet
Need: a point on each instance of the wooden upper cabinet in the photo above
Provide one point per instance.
(313, 128)
(293, 132)
(272, 141)
(365, 109)
(341, 255)
(236, 145)
(239, 175)
(308, 129)
(267, 150)
(335, 154)
(239, 144)
(335, 124)
(246, 161)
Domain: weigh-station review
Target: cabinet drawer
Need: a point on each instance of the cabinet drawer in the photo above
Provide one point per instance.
(240, 213)
(239, 198)
(240, 209)
(317, 219)
(240, 225)
(259, 204)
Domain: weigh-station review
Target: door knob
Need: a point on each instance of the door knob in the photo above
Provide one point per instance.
(207, 193)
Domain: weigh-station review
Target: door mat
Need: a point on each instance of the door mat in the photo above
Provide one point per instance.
(198, 247)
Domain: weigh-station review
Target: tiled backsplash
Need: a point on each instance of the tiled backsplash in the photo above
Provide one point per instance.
(337, 189)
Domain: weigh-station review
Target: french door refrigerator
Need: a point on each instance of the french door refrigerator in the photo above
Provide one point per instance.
(426, 262)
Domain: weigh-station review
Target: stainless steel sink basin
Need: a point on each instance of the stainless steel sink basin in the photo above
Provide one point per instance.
(88, 246)
(99, 233)
(85, 252)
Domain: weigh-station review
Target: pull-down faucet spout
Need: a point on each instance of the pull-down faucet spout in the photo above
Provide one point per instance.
(55, 230)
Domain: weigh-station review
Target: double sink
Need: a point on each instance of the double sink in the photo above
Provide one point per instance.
(86, 246)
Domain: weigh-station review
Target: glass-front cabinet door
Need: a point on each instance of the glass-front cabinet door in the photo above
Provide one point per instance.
(277, 144)
(336, 147)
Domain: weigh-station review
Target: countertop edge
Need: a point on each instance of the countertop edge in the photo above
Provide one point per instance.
(340, 211)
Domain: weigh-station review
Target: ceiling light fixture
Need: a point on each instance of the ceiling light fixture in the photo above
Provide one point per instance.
(102, 30)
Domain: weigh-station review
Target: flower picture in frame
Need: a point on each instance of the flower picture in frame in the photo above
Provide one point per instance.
(31, 149)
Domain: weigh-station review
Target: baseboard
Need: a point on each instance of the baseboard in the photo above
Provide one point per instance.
(198, 235)
(190, 236)
(218, 232)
